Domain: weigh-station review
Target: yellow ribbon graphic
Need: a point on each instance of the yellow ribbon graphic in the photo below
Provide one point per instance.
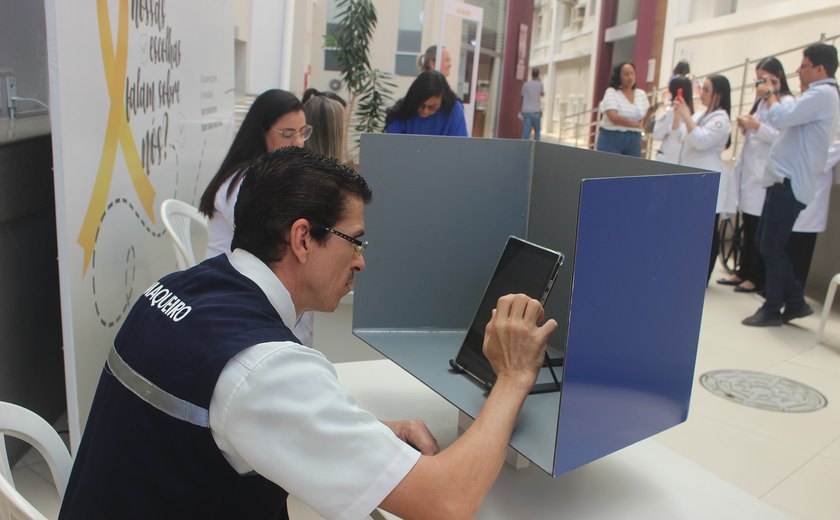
(118, 132)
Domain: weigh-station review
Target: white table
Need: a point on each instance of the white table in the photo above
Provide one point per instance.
(644, 481)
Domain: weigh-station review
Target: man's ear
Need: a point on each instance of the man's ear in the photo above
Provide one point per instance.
(300, 240)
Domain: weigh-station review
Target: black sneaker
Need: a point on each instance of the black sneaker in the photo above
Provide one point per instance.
(799, 312)
(763, 318)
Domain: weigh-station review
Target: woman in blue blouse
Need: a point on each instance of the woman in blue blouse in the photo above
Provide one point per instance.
(429, 108)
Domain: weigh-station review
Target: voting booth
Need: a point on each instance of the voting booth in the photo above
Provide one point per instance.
(636, 236)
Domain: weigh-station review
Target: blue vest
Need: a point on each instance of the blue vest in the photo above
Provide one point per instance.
(138, 462)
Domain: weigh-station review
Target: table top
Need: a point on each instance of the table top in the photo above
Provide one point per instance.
(643, 481)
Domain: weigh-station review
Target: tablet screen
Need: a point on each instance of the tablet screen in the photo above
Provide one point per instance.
(523, 268)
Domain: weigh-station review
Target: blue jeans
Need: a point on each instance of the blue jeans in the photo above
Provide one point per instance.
(624, 143)
(774, 228)
(531, 119)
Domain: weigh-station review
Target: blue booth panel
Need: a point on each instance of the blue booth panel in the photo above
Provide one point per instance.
(643, 247)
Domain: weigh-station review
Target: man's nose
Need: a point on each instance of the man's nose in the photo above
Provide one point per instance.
(359, 263)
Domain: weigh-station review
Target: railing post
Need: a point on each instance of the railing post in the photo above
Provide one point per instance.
(735, 141)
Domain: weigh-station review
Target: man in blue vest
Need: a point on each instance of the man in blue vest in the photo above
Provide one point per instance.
(209, 407)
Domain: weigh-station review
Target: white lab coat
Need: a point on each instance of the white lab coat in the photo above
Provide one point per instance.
(814, 218)
(702, 147)
(669, 140)
(749, 169)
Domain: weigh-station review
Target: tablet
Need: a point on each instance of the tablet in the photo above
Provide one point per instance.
(524, 268)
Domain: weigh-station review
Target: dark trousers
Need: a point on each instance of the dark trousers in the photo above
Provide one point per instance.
(750, 265)
(774, 229)
(801, 250)
(715, 248)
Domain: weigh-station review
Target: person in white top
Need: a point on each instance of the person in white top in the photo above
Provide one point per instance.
(706, 136)
(670, 139)
(275, 119)
(749, 176)
(797, 157)
(625, 110)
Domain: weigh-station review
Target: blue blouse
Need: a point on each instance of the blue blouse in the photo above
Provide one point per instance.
(438, 123)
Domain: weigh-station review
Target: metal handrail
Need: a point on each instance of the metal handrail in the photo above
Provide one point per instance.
(572, 130)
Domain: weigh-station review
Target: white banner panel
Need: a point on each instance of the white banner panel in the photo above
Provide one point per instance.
(142, 110)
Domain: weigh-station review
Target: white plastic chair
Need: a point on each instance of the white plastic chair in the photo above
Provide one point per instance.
(178, 218)
(28, 426)
(829, 299)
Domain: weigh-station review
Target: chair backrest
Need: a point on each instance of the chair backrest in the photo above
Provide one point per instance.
(28, 426)
(178, 217)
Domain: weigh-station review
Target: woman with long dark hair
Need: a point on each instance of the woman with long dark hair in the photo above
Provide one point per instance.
(625, 110)
(428, 108)
(670, 139)
(749, 172)
(275, 120)
(706, 136)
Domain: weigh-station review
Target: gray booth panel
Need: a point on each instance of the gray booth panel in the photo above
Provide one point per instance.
(442, 210)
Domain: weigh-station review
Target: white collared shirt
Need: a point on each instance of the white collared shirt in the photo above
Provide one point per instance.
(279, 409)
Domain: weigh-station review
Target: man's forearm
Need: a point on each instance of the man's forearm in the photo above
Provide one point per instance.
(453, 483)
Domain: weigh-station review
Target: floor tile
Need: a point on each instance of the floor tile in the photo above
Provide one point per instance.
(832, 451)
(821, 357)
(812, 490)
(753, 462)
(811, 431)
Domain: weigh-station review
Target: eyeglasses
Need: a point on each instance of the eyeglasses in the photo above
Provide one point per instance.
(290, 133)
(429, 108)
(358, 245)
(806, 65)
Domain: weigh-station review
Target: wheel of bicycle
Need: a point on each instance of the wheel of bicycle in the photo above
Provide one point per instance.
(730, 234)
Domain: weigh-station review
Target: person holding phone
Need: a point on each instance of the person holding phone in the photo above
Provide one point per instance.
(797, 156)
(705, 136)
(671, 139)
(749, 173)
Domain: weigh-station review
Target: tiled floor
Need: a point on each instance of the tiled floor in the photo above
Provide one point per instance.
(789, 460)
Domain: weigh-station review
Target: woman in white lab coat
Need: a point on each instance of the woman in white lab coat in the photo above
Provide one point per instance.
(670, 140)
(706, 136)
(748, 173)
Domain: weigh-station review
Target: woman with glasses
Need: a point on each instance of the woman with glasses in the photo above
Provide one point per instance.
(749, 172)
(275, 120)
(625, 111)
(705, 136)
(429, 108)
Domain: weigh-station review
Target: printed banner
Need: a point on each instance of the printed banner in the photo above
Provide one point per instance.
(142, 111)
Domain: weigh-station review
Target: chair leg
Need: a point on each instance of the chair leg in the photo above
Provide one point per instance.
(829, 299)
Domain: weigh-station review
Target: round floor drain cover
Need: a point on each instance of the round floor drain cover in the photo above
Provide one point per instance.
(764, 391)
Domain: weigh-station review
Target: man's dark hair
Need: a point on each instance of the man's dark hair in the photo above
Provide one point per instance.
(822, 54)
(535, 73)
(249, 142)
(286, 185)
(428, 84)
(615, 77)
